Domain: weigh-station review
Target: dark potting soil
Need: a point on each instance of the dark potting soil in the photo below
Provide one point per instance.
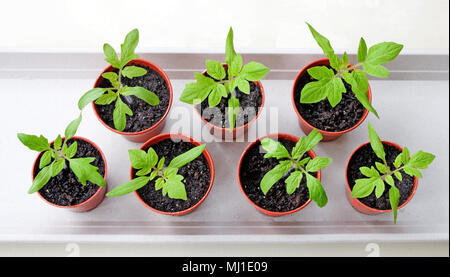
(64, 189)
(253, 168)
(366, 157)
(144, 115)
(321, 115)
(250, 104)
(197, 176)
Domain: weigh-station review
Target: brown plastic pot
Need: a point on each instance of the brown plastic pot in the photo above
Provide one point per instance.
(363, 208)
(295, 139)
(154, 130)
(176, 136)
(224, 133)
(306, 127)
(90, 203)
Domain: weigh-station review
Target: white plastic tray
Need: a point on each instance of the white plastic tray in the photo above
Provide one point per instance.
(39, 92)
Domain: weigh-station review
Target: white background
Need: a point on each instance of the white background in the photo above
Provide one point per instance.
(199, 25)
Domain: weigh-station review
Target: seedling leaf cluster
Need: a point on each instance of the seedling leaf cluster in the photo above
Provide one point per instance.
(329, 82)
(380, 173)
(119, 92)
(149, 166)
(295, 166)
(54, 158)
(225, 81)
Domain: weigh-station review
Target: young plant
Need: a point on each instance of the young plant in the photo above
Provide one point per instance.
(381, 173)
(295, 166)
(329, 83)
(150, 166)
(54, 158)
(225, 84)
(106, 96)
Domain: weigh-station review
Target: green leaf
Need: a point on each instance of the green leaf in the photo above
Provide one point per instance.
(317, 164)
(306, 143)
(235, 67)
(127, 48)
(142, 93)
(176, 188)
(45, 159)
(345, 59)
(57, 166)
(334, 91)
(394, 196)
(383, 52)
(376, 144)
(316, 190)
(152, 157)
(159, 184)
(274, 175)
(398, 175)
(358, 80)
(215, 69)
(364, 187)
(314, 92)
(170, 171)
(379, 188)
(421, 160)
(303, 162)
(405, 156)
(72, 150)
(197, 91)
(324, 43)
(321, 73)
(120, 113)
(390, 180)
(243, 85)
(274, 149)
(293, 181)
(90, 96)
(254, 71)
(128, 187)
(139, 159)
(381, 167)
(369, 172)
(106, 98)
(216, 95)
(41, 179)
(58, 142)
(230, 54)
(152, 175)
(72, 128)
(187, 157)
(376, 70)
(33, 142)
(362, 51)
(133, 71)
(113, 78)
(111, 55)
(233, 111)
(161, 163)
(413, 172)
(84, 171)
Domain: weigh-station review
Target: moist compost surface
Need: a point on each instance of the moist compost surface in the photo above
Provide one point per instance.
(144, 115)
(321, 115)
(250, 103)
(366, 157)
(196, 174)
(253, 168)
(64, 189)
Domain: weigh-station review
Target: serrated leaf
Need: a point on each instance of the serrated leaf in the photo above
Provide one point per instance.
(33, 142)
(306, 143)
(197, 91)
(85, 171)
(41, 179)
(129, 186)
(128, 47)
(274, 149)
(111, 55)
(334, 91)
(89, 96)
(139, 158)
(358, 80)
(142, 93)
(293, 181)
(254, 71)
(215, 69)
(113, 78)
(187, 156)
(133, 71)
(316, 191)
(176, 188)
(317, 164)
(376, 144)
